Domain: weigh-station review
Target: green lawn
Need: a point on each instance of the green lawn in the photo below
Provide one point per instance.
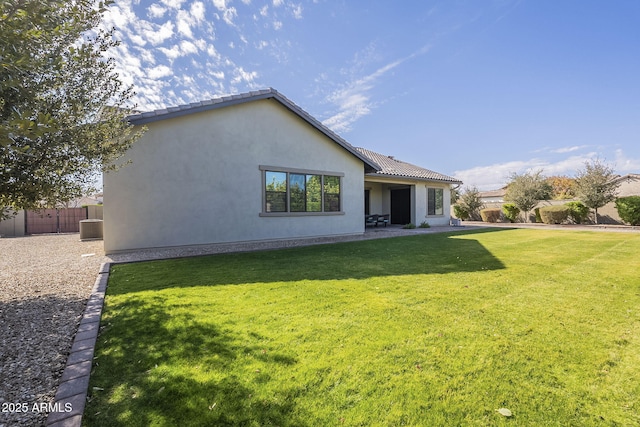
(427, 330)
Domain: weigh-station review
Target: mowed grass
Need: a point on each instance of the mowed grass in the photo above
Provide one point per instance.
(427, 330)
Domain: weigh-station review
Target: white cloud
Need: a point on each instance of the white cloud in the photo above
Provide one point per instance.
(183, 23)
(187, 47)
(277, 25)
(157, 34)
(497, 175)
(159, 72)
(563, 150)
(277, 3)
(240, 75)
(171, 53)
(354, 98)
(156, 11)
(119, 16)
(197, 11)
(624, 164)
(228, 13)
(297, 11)
(174, 4)
(354, 101)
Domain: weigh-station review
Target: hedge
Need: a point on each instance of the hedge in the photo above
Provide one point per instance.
(578, 212)
(554, 214)
(510, 212)
(491, 214)
(629, 209)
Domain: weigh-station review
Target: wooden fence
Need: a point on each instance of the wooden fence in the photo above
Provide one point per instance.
(55, 220)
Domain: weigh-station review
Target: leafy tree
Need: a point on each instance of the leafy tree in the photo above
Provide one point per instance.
(62, 104)
(629, 209)
(469, 204)
(526, 190)
(562, 187)
(595, 185)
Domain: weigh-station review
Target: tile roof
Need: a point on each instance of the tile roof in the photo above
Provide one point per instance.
(392, 167)
(226, 101)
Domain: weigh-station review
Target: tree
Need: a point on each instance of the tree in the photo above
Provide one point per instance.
(595, 185)
(629, 209)
(469, 204)
(62, 105)
(562, 187)
(526, 190)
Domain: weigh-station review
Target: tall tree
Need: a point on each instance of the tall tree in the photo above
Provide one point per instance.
(595, 185)
(469, 204)
(526, 190)
(62, 105)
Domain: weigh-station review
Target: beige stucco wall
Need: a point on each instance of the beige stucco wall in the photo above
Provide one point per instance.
(608, 214)
(196, 179)
(380, 198)
(14, 226)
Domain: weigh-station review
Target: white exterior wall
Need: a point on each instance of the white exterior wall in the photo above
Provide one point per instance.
(196, 179)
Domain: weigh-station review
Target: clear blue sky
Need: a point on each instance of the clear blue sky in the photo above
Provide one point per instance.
(476, 89)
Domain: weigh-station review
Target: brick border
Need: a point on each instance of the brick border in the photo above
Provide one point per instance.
(71, 395)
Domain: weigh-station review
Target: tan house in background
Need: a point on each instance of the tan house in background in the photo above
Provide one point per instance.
(629, 185)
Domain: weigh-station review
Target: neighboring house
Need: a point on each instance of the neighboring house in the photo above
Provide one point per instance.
(493, 198)
(252, 167)
(628, 185)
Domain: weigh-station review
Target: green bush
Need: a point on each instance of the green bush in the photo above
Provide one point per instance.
(461, 212)
(510, 212)
(554, 214)
(424, 224)
(578, 212)
(629, 209)
(538, 217)
(491, 214)
(409, 226)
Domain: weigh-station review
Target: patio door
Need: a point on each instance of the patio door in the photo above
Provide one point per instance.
(367, 207)
(401, 205)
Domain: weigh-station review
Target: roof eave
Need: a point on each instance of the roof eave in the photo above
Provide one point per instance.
(412, 178)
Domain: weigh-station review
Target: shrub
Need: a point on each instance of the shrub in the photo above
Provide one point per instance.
(510, 212)
(461, 212)
(554, 214)
(537, 212)
(424, 224)
(491, 214)
(578, 212)
(629, 209)
(409, 226)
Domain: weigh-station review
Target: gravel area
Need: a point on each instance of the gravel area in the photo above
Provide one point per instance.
(45, 282)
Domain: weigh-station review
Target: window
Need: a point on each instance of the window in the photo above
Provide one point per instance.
(435, 201)
(276, 192)
(293, 191)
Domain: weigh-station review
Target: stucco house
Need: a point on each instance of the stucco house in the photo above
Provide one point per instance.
(628, 185)
(254, 167)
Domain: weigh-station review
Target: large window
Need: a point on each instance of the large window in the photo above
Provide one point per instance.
(293, 191)
(435, 201)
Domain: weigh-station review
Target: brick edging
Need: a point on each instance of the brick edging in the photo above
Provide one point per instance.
(71, 396)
